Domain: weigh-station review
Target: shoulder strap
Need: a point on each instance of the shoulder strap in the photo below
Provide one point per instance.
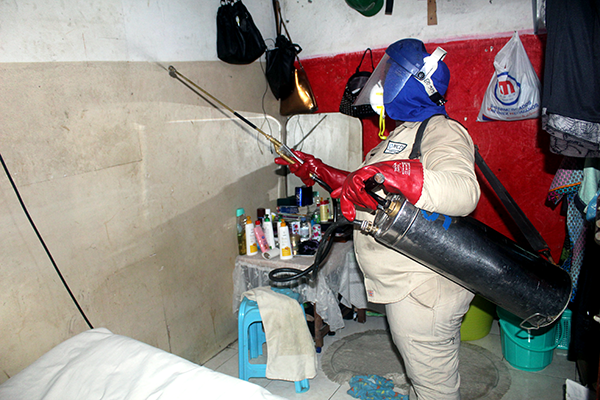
(277, 23)
(529, 231)
(416, 148)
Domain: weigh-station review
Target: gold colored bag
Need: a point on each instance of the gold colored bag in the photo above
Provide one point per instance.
(301, 100)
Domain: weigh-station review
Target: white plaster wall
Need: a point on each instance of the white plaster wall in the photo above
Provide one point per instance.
(325, 27)
(133, 182)
(185, 30)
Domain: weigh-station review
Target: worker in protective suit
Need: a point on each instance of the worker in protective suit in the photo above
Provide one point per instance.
(434, 170)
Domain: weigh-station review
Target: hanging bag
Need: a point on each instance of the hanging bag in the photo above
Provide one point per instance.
(238, 39)
(301, 100)
(280, 60)
(288, 83)
(280, 66)
(353, 87)
(514, 90)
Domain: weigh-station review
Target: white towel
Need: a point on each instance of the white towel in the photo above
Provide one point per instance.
(291, 354)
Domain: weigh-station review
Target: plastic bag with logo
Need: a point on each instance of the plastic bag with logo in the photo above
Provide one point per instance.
(514, 90)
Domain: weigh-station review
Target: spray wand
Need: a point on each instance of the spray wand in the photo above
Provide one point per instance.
(284, 151)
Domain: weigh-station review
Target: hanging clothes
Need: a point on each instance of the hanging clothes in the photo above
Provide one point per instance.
(590, 188)
(571, 90)
(565, 186)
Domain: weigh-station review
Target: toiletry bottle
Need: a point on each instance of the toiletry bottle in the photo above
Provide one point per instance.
(304, 229)
(241, 231)
(324, 210)
(251, 246)
(260, 237)
(278, 237)
(316, 215)
(285, 245)
(268, 229)
(260, 214)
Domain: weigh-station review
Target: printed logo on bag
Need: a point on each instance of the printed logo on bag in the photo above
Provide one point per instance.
(394, 148)
(507, 89)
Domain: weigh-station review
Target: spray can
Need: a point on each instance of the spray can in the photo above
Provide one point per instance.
(294, 228)
(268, 229)
(260, 237)
(251, 245)
(241, 232)
(285, 245)
(316, 232)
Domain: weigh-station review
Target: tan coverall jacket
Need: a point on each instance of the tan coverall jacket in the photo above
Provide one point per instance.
(450, 187)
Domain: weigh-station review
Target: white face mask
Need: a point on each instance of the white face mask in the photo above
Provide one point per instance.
(376, 98)
(376, 101)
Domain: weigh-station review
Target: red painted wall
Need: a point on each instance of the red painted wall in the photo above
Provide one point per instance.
(516, 151)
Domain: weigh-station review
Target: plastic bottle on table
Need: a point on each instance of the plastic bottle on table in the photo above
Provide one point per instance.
(285, 245)
(324, 210)
(268, 229)
(260, 237)
(241, 231)
(251, 245)
(305, 230)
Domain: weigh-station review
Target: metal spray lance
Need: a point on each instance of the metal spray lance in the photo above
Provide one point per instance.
(281, 149)
(284, 151)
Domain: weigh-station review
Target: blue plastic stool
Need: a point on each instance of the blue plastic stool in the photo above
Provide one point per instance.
(251, 337)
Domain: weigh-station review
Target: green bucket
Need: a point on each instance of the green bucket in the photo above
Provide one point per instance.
(527, 350)
(477, 322)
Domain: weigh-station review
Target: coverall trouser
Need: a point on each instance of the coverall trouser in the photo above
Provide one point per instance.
(425, 327)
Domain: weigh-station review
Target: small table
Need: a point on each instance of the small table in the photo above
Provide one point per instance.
(339, 275)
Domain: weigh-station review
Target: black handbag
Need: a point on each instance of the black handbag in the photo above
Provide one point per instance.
(353, 87)
(238, 39)
(280, 66)
(280, 60)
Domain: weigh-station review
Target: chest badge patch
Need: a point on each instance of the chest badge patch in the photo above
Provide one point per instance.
(394, 147)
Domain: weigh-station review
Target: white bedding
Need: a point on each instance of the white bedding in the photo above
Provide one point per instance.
(98, 364)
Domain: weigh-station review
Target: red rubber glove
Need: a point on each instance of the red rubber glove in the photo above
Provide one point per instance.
(333, 177)
(403, 176)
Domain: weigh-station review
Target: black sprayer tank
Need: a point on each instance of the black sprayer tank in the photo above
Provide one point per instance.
(477, 257)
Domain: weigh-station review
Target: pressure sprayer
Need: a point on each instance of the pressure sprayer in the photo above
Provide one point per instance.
(476, 257)
(461, 249)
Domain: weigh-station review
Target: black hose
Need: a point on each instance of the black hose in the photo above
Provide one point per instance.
(284, 275)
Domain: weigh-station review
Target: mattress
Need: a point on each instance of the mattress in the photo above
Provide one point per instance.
(98, 364)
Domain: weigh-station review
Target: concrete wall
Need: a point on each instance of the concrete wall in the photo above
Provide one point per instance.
(133, 182)
(131, 179)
